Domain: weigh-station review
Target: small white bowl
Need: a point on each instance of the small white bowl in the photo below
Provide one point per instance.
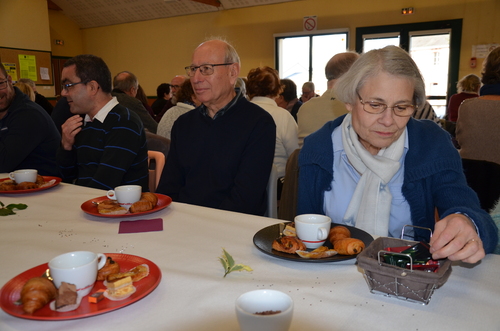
(249, 304)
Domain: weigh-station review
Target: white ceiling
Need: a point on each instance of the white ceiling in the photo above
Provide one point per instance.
(95, 13)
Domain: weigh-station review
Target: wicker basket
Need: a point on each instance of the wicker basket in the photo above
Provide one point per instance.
(402, 283)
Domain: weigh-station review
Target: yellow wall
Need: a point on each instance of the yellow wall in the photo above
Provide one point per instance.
(158, 50)
(25, 24)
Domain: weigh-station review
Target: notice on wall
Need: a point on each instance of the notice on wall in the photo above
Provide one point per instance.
(482, 51)
(27, 67)
(44, 73)
(11, 70)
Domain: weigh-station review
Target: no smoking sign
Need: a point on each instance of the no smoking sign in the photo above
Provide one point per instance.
(310, 23)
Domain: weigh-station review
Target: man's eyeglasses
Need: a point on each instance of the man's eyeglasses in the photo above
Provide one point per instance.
(205, 69)
(67, 86)
(174, 86)
(373, 107)
(3, 85)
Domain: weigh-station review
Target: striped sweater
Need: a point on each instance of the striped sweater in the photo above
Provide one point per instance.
(109, 154)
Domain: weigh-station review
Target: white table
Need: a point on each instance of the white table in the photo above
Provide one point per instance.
(193, 295)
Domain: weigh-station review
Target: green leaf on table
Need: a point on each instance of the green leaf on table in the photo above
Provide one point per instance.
(227, 262)
(9, 209)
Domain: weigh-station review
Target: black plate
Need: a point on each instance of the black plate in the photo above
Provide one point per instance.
(264, 238)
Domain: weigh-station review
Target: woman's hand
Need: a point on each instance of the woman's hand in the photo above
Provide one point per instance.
(455, 237)
(69, 130)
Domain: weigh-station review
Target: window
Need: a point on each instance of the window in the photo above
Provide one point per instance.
(434, 46)
(302, 57)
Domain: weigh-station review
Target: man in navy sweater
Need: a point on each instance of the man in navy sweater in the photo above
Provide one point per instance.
(222, 152)
(107, 147)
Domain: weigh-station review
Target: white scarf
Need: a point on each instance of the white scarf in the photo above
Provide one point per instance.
(370, 206)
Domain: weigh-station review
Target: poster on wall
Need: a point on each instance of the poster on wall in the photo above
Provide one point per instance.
(11, 70)
(27, 67)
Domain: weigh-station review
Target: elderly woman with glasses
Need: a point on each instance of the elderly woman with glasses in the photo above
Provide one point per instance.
(378, 169)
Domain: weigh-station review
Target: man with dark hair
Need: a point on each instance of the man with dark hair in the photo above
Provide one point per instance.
(106, 148)
(221, 152)
(163, 98)
(125, 86)
(288, 98)
(28, 136)
(314, 113)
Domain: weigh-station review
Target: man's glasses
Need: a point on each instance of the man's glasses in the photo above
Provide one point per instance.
(3, 85)
(67, 86)
(205, 69)
(373, 107)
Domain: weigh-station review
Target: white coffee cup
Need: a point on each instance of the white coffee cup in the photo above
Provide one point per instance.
(251, 305)
(24, 175)
(126, 195)
(312, 229)
(78, 268)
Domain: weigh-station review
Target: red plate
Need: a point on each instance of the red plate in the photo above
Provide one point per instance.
(11, 292)
(90, 207)
(47, 178)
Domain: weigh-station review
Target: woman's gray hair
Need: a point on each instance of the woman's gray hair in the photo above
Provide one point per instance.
(390, 59)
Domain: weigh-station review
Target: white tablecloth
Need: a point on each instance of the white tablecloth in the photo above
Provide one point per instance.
(193, 295)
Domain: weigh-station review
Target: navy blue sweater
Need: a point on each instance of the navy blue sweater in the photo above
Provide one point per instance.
(433, 178)
(223, 163)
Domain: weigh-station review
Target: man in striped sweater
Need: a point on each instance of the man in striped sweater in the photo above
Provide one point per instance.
(106, 148)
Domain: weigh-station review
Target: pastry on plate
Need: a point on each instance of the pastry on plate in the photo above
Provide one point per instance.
(36, 293)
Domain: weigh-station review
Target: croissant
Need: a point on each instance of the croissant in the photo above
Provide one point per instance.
(36, 293)
(288, 244)
(140, 206)
(151, 197)
(338, 232)
(349, 246)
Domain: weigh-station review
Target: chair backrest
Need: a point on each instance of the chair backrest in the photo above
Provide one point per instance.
(157, 143)
(272, 194)
(155, 174)
(484, 178)
(288, 201)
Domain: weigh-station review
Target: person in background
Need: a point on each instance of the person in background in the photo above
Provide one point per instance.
(427, 113)
(28, 136)
(308, 92)
(162, 97)
(39, 99)
(221, 153)
(479, 118)
(143, 98)
(107, 148)
(468, 87)
(26, 89)
(378, 169)
(175, 85)
(288, 97)
(186, 101)
(125, 86)
(263, 88)
(315, 113)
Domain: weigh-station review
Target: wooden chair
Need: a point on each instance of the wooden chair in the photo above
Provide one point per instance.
(155, 174)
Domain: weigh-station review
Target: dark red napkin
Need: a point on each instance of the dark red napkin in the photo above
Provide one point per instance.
(155, 224)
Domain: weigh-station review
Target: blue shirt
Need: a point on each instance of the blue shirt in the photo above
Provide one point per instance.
(346, 179)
